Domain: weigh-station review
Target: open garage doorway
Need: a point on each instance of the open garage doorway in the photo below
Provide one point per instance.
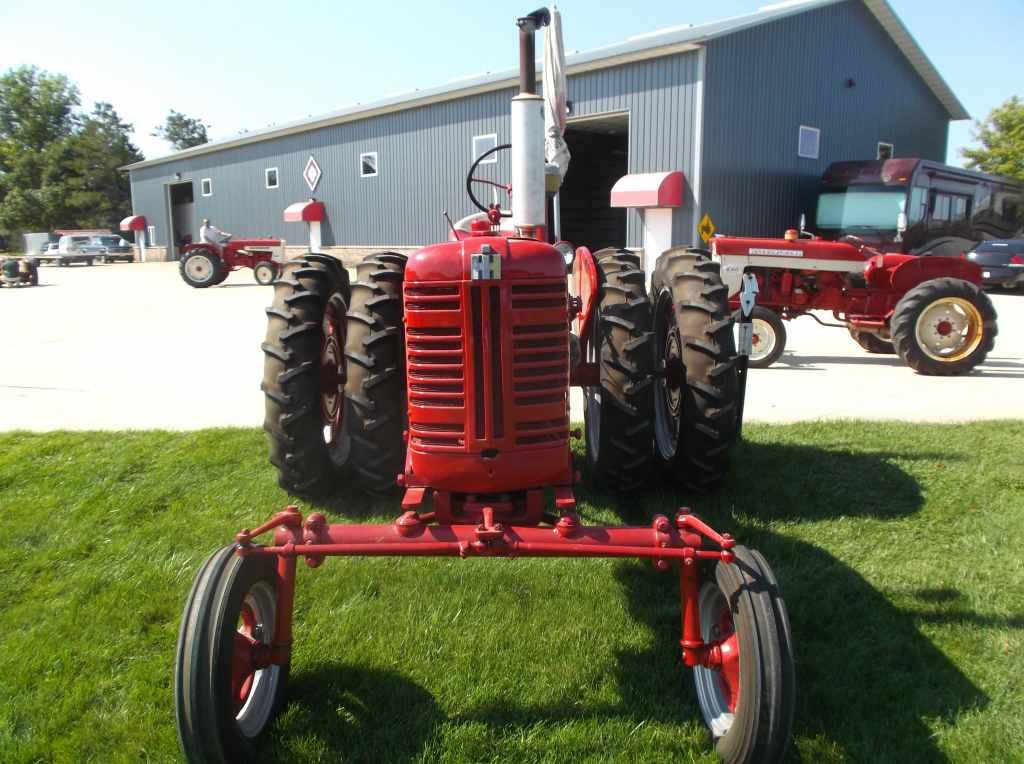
(600, 152)
(182, 208)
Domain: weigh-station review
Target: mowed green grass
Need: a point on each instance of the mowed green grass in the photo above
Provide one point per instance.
(899, 550)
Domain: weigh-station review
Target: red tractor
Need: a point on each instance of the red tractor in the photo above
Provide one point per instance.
(447, 374)
(930, 311)
(202, 265)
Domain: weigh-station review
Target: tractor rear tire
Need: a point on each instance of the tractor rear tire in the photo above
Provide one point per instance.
(375, 354)
(617, 413)
(872, 343)
(695, 399)
(944, 327)
(201, 269)
(334, 375)
(751, 721)
(769, 338)
(216, 722)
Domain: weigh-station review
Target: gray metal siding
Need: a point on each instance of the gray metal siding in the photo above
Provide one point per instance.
(423, 156)
(762, 84)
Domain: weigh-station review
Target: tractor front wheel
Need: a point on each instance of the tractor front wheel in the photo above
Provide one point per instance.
(201, 269)
(944, 327)
(872, 343)
(265, 272)
(769, 338)
(617, 414)
(747, 701)
(695, 396)
(224, 700)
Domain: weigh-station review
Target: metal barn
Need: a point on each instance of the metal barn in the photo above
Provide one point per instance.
(750, 109)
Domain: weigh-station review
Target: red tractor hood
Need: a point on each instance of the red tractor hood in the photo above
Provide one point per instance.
(520, 259)
(812, 249)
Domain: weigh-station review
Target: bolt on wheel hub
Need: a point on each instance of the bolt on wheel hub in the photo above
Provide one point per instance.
(949, 329)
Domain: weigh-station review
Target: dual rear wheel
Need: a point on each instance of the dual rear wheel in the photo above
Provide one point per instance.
(667, 399)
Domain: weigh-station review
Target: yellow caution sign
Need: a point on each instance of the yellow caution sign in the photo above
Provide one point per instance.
(706, 228)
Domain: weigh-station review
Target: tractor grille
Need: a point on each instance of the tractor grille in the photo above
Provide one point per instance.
(487, 365)
(434, 368)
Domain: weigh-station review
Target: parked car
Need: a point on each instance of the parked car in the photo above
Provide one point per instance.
(1001, 261)
(109, 249)
(65, 252)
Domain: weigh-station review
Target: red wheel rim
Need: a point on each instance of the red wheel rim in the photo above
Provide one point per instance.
(729, 671)
(332, 373)
(243, 660)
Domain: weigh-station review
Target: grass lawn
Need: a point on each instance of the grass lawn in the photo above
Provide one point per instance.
(898, 547)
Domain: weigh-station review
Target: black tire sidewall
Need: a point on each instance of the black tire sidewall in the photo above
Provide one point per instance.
(239, 576)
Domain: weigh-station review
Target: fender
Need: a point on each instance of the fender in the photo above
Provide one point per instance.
(901, 273)
(584, 274)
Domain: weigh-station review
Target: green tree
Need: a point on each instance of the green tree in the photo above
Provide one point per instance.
(1001, 136)
(182, 132)
(37, 116)
(99, 193)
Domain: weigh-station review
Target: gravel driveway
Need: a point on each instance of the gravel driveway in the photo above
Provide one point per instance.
(131, 346)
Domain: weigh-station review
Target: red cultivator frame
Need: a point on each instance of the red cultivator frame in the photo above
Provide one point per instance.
(451, 369)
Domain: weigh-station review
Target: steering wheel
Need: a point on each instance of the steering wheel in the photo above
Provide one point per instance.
(471, 179)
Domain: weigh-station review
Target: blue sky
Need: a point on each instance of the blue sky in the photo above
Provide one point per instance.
(246, 65)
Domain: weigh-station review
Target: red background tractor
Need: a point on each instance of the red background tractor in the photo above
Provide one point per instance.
(930, 311)
(447, 374)
(202, 265)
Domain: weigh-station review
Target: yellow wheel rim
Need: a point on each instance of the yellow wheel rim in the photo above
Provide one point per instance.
(949, 329)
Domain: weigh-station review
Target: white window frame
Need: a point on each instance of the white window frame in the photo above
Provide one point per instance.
(151, 236)
(203, 185)
(266, 178)
(892, 150)
(376, 165)
(493, 158)
(799, 142)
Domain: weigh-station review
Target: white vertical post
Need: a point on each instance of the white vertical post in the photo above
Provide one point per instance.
(142, 245)
(657, 230)
(314, 236)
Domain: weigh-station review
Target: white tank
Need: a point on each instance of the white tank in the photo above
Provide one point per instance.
(528, 160)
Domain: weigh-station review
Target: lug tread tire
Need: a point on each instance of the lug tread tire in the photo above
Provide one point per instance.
(708, 425)
(376, 380)
(624, 457)
(910, 306)
(762, 727)
(218, 274)
(292, 404)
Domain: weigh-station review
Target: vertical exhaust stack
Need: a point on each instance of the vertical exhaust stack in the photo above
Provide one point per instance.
(528, 208)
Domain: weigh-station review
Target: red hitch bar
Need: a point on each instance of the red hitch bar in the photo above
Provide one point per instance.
(412, 535)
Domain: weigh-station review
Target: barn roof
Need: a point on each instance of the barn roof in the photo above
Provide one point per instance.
(655, 44)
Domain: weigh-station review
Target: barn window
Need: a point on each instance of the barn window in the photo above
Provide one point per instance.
(270, 175)
(368, 164)
(206, 187)
(886, 150)
(484, 143)
(809, 146)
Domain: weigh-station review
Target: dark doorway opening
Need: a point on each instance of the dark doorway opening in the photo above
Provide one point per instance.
(181, 198)
(600, 152)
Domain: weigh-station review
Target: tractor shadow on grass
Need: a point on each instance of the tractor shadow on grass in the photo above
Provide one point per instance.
(867, 679)
(349, 713)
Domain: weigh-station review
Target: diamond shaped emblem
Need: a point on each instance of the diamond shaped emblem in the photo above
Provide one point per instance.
(312, 174)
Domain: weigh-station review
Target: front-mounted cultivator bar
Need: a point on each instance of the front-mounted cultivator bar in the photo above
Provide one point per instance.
(235, 648)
